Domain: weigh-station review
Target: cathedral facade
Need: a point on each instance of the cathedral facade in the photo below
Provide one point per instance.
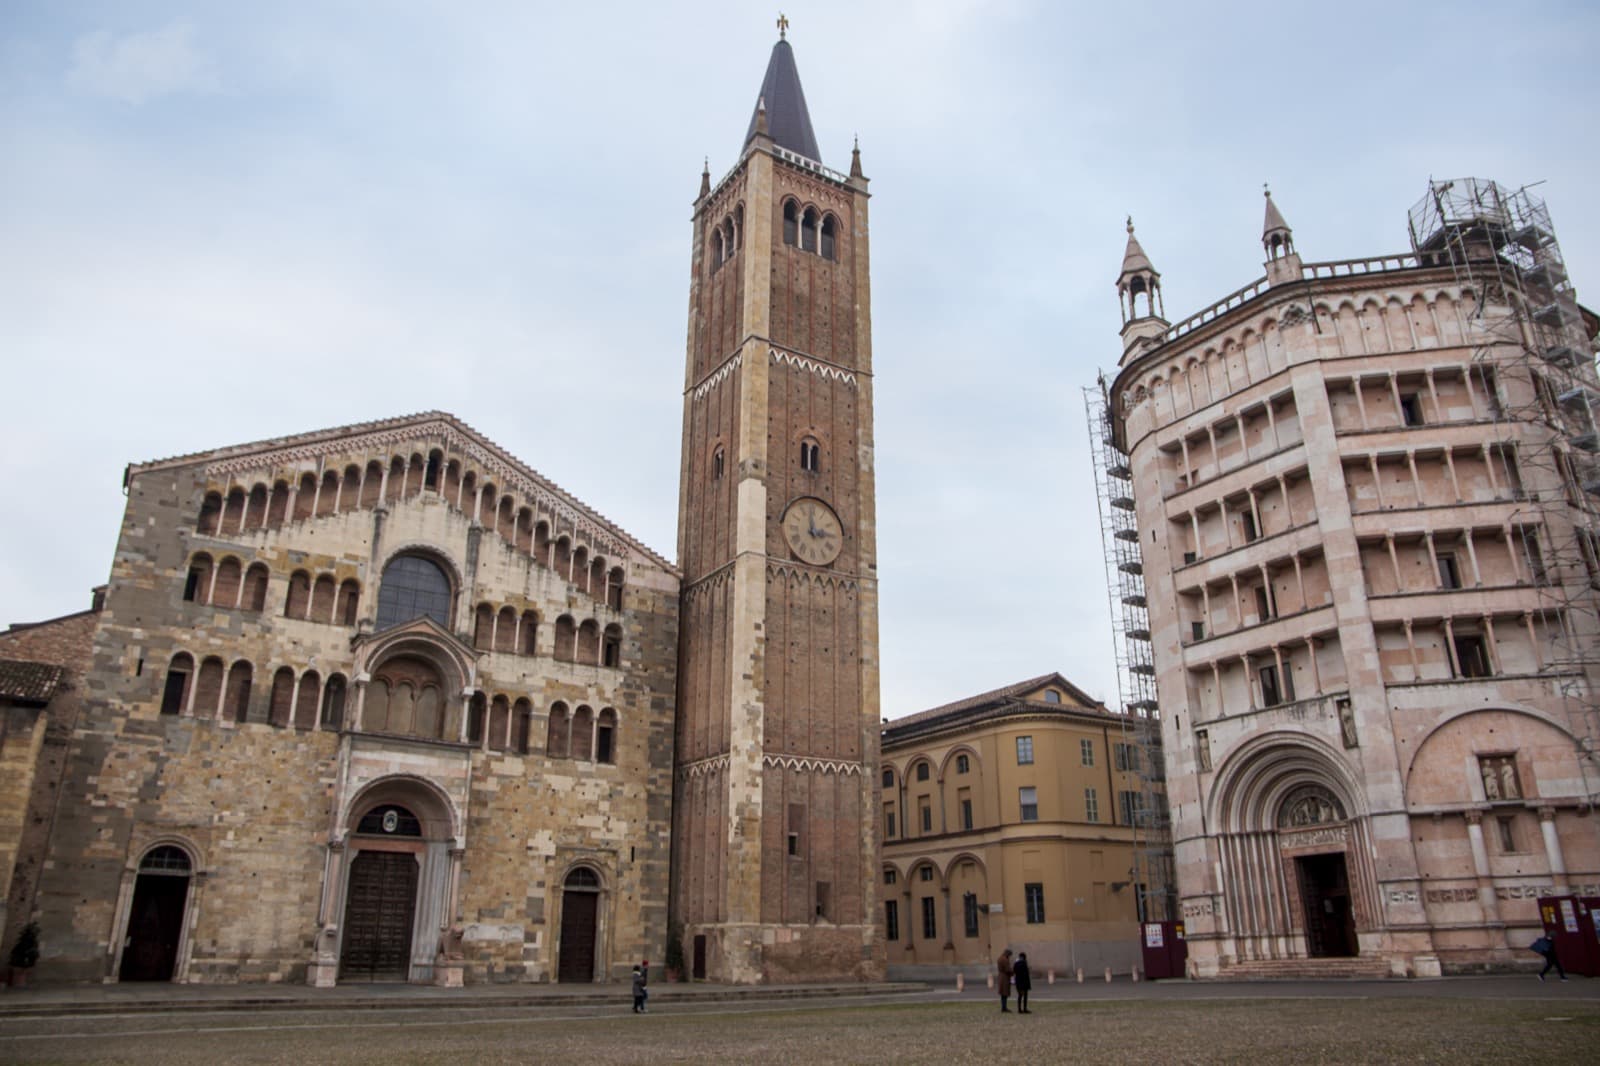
(381, 702)
(1366, 501)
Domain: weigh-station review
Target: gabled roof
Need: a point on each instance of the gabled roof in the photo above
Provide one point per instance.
(28, 682)
(1011, 697)
(788, 121)
(383, 432)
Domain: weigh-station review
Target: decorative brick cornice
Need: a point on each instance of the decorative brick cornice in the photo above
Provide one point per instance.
(812, 764)
(718, 376)
(825, 370)
(709, 766)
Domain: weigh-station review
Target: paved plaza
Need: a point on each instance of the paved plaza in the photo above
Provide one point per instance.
(1455, 1021)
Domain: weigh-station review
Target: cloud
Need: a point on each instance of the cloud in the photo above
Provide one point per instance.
(136, 67)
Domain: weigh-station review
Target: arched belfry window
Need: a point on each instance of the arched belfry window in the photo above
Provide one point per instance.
(413, 587)
(808, 230)
(791, 229)
(830, 242)
(810, 456)
(718, 460)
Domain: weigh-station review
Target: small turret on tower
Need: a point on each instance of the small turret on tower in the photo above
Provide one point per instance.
(1139, 295)
(1283, 262)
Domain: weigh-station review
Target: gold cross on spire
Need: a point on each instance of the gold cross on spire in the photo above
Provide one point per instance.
(783, 26)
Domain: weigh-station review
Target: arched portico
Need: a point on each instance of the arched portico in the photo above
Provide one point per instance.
(390, 885)
(1293, 851)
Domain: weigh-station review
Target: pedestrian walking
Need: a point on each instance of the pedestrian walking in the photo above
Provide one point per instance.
(1002, 969)
(639, 991)
(1022, 977)
(1547, 947)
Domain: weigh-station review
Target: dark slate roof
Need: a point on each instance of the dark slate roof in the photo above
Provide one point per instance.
(788, 121)
(27, 682)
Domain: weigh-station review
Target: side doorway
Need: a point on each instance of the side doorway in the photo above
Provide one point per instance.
(156, 916)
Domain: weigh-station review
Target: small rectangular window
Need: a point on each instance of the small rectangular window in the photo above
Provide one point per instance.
(890, 877)
(1271, 696)
(1033, 896)
(1130, 805)
(925, 813)
(1197, 630)
(888, 779)
(1266, 609)
(602, 744)
(1248, 520)
(797, 821)
(1411, 409)
(1449, 576)
(925, 873)
(1028, 798)
(1086, 752)
(1505, 828)
(825, 900)
(922, 771)
(1127, 758)
(888, 822)
(1472, 656)
(969, 914)
(930, 926)
(891, 919)
(961, 764)
(1091, 805)
(966, 812)
(1024, 751)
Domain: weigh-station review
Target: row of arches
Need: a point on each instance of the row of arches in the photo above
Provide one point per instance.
(364, 487)
(810, 230)
(585, 642)
(727, 237)
(222, 692)
(226, 584)
(395, 704)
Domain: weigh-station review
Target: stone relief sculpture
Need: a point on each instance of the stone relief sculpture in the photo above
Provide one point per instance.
(1499, 773)
(1308, 806)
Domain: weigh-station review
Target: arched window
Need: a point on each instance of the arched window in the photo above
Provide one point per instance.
(305, 704)
(611, 646)
(525, 530)
(435, 460)
(255, 515)
(349, 601)
(718, 459)
(791, 223)
(333, 703)
(808, 230)
(233, 512)
(505, 632)
(197, 586)
(210, 513)
(175, 695)
(282, 705)
(278, 506)
(395, 487)
(583, 733)
(614, 589)
(225, 587)
(529, 639)
(350, 488)
(299, 595)
(521, 726)
(810, 455)
(414, 472)
(208, 688)
(558, 732)
(477, 715)
(372, 485)
(323, 594)
(328, 497)
(829, 238)
(236, 708)
(166, 859)
(566, 639)
(483, 628)
(541, 543)
(589, 642)
(580, 567)
(413, 587)
(305, 497)
(718, 253)
(583, 877)
(254, 597)
(605, 737)
(499, 723)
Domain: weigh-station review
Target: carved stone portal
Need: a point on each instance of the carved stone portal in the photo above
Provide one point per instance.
(1309, 805)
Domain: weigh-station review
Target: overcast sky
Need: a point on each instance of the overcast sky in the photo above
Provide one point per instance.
(223, 222)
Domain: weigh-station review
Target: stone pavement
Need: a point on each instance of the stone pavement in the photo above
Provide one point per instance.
(85, 1000)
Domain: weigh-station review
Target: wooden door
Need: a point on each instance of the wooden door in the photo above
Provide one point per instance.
(578, 912)
(379, 907)
(155, 924)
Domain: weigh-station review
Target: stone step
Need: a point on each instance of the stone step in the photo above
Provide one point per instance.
(1349, 969)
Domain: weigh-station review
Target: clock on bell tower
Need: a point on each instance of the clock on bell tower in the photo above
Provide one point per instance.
(775, 852)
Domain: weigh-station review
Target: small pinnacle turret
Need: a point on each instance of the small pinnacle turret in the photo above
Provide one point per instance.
(1139, 295)
(1277, 239)
(855, 159)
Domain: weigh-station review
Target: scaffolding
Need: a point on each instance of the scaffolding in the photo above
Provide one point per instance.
(1137, 707)
(1532, 353)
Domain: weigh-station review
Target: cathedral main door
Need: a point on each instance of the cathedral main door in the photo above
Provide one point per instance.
(1325, 895)
(378, 914)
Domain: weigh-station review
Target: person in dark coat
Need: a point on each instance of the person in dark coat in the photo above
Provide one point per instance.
(1023, 979)
(1002, 969)
(1547, 947)
(639, 991)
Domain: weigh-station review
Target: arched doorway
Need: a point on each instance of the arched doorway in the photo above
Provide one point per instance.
(381, 900)
(1322, 877)
(155, 918)
(580, 917)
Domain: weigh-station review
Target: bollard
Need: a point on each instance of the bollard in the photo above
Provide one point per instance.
(1080, 975)
(1136, 975)
(1050, 977)
(961, 982)
(1108, 975)
(991, 980)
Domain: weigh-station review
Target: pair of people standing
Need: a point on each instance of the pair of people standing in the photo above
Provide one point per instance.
(1008, 973)
(641, 987)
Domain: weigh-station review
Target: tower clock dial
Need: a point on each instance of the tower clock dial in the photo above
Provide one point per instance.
(812, 531)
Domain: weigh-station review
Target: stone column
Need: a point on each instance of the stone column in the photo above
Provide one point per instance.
(1552, 849)
(1487, 902)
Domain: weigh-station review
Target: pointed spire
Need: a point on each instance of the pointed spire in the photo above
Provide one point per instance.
(1276, 236)
(1134, 261)
(705, 179)
(855, 159)
(781, 105)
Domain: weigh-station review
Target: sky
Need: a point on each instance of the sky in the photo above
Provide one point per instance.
(226, 222)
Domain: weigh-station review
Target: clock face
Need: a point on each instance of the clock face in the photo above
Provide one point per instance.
(812, 531)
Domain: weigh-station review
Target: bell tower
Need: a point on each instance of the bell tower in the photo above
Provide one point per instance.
(775, 852)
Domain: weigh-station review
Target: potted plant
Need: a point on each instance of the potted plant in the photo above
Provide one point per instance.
(674, 952)
(24, 954)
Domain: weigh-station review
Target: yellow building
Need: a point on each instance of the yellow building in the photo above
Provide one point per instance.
(1009, 821)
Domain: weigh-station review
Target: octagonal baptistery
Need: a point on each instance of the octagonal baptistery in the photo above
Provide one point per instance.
(1365, 504)
(373, 703)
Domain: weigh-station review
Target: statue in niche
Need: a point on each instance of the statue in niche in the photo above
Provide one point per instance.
(1500, 780)
(1309, 806)
(1347, 724)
